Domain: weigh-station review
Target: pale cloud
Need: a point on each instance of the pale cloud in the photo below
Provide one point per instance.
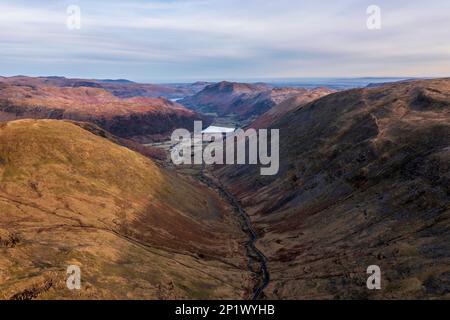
(195, 39)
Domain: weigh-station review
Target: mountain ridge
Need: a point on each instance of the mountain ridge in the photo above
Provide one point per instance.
(139, 118)
(242, 100)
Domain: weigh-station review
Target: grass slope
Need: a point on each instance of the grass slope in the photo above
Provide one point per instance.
(68, 196)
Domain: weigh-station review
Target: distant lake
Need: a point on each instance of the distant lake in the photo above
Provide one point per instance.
(217, 129)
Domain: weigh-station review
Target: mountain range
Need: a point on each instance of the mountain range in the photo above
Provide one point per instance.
(141, 118)
(242, 100)
(363, 180)
(121, 88)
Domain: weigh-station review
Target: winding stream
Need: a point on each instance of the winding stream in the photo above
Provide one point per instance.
(253, 253)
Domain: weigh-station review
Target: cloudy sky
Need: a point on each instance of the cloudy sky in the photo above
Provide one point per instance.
(177, 40)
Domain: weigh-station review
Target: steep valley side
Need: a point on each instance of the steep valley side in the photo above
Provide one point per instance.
(136, 230)
(363, 180)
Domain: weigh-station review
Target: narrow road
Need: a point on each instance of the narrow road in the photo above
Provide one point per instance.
(253, 253)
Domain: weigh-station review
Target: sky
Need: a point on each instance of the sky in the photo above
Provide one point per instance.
(190, 40)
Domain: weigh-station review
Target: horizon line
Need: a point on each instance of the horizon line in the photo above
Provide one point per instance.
(229, 79)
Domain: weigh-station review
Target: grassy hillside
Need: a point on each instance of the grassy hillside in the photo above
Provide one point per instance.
(68, 196)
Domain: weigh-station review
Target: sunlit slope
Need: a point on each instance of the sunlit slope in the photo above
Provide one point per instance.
(68, 196)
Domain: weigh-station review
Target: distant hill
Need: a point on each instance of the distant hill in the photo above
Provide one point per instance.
(242, 100)
(140, 118)
(121, 88)
(364, 180)
(137, 231)
(121, 81)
